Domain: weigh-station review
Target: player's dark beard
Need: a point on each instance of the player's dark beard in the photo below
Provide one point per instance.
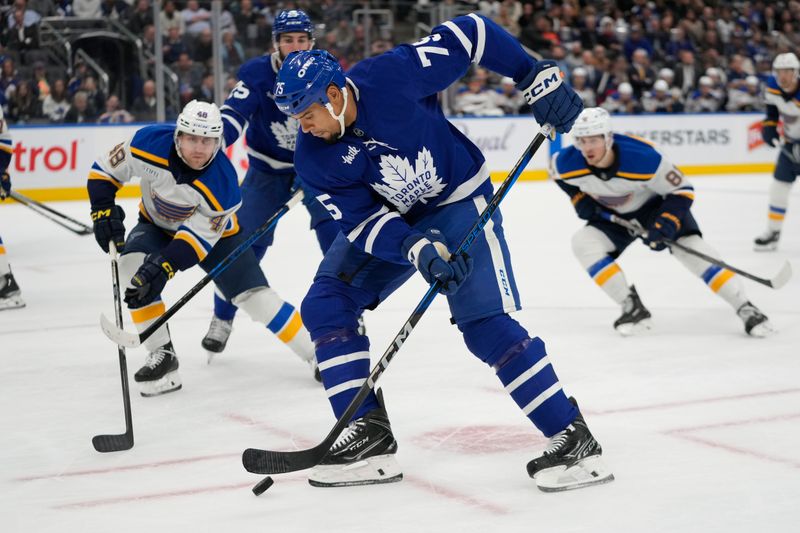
(333, 139)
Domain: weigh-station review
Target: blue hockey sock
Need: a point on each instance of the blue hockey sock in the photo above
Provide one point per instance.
(529, 377)
(343, 359)
(223, 309)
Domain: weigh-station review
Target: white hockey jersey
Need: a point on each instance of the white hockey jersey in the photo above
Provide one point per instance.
(196, 207)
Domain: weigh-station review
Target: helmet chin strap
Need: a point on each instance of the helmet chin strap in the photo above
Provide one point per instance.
(340, 117)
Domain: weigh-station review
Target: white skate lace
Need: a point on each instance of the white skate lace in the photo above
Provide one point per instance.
(349, 435)
(219, 329)
(557, 441)
(154, 358)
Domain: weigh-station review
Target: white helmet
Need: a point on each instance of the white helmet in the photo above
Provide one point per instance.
(202, 119)
(592, 121)
(786, 61)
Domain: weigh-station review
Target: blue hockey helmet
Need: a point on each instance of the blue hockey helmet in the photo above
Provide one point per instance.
(292, 20)
(304, 78)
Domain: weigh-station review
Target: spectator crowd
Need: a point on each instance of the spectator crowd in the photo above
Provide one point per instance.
(628, 56)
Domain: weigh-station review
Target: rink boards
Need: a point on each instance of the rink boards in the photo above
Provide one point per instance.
(51, 162)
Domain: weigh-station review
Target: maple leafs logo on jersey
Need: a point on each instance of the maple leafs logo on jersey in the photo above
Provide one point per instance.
(285, 133)
(404, 185)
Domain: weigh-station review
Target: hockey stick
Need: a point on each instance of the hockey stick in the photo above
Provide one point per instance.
(278, 462)
(132, 340)
(117, 443)
(52, 214)
(776, 282)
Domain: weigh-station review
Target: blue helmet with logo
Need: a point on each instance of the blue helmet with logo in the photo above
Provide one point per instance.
(304, 78)
(293, 20)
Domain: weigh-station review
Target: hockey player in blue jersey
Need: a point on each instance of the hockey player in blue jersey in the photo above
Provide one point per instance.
(270, 139)
(782, 95)
(187, 215)
(609, 172)
(10, 296)
(404, 183)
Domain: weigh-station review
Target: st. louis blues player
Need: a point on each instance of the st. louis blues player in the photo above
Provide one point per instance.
(190, 193)
(10, 296)
(403, 182)
(627, 176)
(270, 137)
(782, 94)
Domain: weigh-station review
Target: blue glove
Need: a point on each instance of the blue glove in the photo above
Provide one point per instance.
(428, 253)
(664, 226)
(586, 207)
(149, 281)
(769, 133)
(108, 226)
(553, 101)
(5, 186)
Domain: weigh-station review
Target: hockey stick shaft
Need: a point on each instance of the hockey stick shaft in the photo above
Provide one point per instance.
(114, 443)
(50, 213)
(277, 462)
(132, 341)
(776, 282)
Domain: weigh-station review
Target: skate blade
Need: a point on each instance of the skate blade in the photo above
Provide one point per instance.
(171, 382)
(210, 356)
(372, 471)
(765, 247)
(11, 302)
(586, 472)
(762, 330)
(629, 330)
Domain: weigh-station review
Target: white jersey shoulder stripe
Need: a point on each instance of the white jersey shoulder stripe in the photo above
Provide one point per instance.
(465, 42)
(481, 38)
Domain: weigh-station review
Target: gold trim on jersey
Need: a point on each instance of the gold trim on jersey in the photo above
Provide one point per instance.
(160, 161)
(574, 173)
(635, 176)
(208, 194)
(99, 176)
(192, 241)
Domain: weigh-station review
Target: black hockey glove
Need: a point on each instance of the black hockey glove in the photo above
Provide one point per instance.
(5, 186)
(108, 227)
(586, 206)
(664, 226)
(769, 133)
(149, 281)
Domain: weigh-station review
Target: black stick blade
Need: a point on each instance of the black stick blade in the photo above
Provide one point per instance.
(264, 462)
(112, 443)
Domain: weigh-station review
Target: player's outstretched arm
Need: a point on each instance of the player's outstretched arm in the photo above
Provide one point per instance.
(443, 57)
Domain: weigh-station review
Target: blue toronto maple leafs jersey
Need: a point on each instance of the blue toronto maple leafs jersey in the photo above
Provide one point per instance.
(401, 159)
(270, 134)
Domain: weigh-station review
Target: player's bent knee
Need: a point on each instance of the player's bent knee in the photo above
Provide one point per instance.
(325, 310)
(261, 303)
(590, 244)
(492, 338)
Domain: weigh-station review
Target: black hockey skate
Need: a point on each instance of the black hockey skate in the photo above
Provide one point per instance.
(217, 337)
(635, 316)
(10, 295)
(572, 460)
(756, 323)
(363, 455)
(767, 241)
(159, 375)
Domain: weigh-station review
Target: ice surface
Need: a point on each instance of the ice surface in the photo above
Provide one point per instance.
(699, 422)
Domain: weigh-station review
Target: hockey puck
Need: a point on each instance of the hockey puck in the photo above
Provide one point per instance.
(262, 485)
